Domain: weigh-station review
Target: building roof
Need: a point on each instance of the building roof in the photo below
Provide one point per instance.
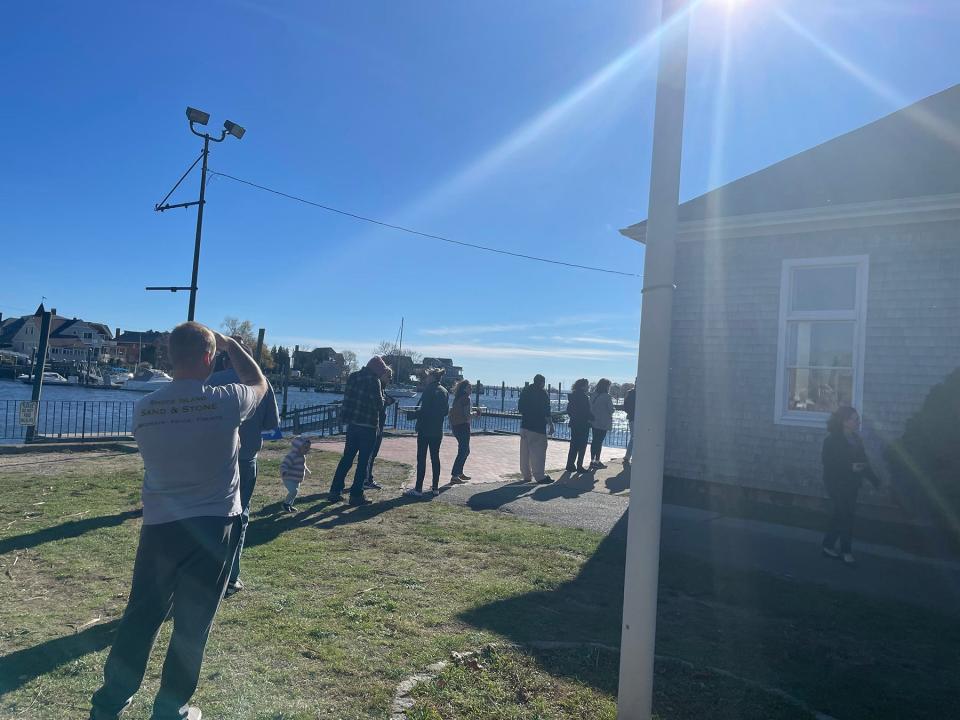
(9, 328)
(911, 153)
(137, 336)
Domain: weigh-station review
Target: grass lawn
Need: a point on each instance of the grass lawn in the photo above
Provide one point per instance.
(343, 603)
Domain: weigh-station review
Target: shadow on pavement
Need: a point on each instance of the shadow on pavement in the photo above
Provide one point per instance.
(500, 496)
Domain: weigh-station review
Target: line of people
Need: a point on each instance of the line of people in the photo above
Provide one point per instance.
(199, 437)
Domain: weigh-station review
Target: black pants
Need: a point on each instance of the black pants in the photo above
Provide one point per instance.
(462, 434)
(181, 568)
(578, 446)
(596, 445)
(840, 526)
(373, 453)
(359, 444)
(433, 444)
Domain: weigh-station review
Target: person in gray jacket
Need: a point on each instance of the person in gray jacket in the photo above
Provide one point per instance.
(602, 408)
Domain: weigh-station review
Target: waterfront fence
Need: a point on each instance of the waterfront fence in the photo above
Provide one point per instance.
(75, 420)
(82, 420)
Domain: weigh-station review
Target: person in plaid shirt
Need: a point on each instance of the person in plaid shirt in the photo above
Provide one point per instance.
(363, 402)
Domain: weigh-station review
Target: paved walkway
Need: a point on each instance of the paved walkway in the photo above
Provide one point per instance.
(598, 501)
(492, 457)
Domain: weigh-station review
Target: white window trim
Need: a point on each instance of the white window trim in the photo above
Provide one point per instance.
(783, 416)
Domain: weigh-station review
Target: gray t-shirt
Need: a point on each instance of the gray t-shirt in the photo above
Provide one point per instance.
(265, 417)
(188, 436)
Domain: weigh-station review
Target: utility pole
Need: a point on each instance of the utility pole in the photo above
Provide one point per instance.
(641, 573)
(197, 117)
(39, 366)
(259, 349)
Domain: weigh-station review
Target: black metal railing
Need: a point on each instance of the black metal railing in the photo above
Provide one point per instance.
(80, 420)
(509, 422)
(77, 420)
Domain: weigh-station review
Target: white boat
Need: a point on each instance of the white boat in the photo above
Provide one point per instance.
(49, 378)
(401, 392)
(147, 380)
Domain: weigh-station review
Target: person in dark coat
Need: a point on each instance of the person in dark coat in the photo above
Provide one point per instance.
(432, 411)
(578, 410)
(845, 466)
(535, 418)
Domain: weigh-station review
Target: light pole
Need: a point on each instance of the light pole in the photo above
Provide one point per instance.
(638, 633)
(197, 117)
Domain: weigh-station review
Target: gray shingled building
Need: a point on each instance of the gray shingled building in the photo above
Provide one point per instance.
(828, 278)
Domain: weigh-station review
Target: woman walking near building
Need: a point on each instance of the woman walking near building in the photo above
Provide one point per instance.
(578, 410)
(845, 466)
(432, 410)
(602, 422)
(460, 413)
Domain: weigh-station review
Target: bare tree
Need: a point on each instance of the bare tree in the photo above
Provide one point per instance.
(350, 358)
(244, 329)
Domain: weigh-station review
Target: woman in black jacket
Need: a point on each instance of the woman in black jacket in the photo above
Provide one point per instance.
(578, 410)
(430, 416)
(845, 465)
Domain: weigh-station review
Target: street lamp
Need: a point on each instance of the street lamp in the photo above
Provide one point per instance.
(638, 633)
(197, 117)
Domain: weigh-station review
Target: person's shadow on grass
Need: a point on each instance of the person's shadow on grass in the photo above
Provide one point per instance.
(21, 666)
(63, 531)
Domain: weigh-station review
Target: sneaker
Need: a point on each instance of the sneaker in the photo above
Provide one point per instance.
(335, 497)
(570, 468)
(287, 507)
(600, 466)
(233, 588)
(829, 552)
(545, 480)
(360, 500)
(372, 485)
(456, 480)
(434, 491)
(582, 469)
(849, 559)
(413, 492)
(190, 712)
(465, 478)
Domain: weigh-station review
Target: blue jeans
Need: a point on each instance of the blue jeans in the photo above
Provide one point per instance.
(629, 453)
(462, 434)
(359, 445)
(248, 480)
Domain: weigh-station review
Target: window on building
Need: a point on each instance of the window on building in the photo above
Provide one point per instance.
(823, 309)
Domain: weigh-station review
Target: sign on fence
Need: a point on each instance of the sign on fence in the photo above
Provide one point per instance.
(28, 413)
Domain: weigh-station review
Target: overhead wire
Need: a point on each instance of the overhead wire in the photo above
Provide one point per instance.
(411, 231)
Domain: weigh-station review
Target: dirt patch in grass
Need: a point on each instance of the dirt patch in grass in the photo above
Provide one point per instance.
(575, 683)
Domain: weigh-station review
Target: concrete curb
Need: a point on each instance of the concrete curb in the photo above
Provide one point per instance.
(402, 700)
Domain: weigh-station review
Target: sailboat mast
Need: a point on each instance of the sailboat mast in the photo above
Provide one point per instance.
(399, 353)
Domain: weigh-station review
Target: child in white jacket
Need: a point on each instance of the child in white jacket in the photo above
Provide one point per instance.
(293, 469)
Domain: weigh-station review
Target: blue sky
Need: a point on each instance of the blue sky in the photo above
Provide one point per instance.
(525, 126)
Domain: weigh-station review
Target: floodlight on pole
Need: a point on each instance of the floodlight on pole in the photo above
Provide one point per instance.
(233, 129)
(197, 117)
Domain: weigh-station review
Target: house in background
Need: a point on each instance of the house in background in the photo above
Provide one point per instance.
(451, 373)
(324, 364)
(830, 278)
(136, 346)
(71, 339)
